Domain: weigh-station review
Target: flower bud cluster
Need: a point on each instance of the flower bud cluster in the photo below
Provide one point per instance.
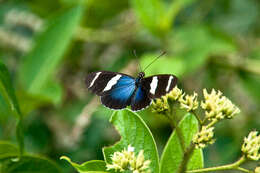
(175, 94)
(189, 102)
(251, 146)
(218, 107)
(127, 161)
(160, 106)
(215, 105)
(204, 137)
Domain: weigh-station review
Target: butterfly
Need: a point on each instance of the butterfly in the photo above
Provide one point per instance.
(118, 90)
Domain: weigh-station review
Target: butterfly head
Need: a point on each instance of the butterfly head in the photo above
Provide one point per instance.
(141, 75)
(139, 78)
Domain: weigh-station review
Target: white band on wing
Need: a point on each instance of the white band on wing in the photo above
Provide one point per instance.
(95, 78)
(169, 83)
(153, 85)
(112, 82)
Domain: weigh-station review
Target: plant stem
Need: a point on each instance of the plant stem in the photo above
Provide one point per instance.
(177, 129)
(197, 117)
(186, 157)
(212, 123)
(174, 123)
(233, 166)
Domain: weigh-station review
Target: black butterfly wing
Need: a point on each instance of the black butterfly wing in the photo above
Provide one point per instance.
(159, 85)
(115, 89)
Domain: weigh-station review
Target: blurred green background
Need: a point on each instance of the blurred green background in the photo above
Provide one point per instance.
(50, 46)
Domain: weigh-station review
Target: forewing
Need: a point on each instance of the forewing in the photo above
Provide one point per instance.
(102, 81)
(119, 96)
(159, 85)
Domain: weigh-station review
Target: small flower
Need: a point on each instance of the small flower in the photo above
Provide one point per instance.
(217, 106)
(126, 160)
(204, 137)
(161, 105)
(175, 94)
(139, 164)
(189, 102)
(251, 146)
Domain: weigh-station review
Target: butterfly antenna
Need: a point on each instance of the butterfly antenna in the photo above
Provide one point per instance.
(134, 52)
(164, 52)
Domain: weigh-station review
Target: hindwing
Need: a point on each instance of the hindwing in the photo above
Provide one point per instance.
(158, 85)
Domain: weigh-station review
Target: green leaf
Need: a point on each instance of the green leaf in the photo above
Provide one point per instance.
(7, 92)
(134, 132)
(29, 164)
(8, 150)
(157, 16)
(149, 13)
(52, 92)
(93, 166)
(41, 63)
(173, 154)
(172, 9)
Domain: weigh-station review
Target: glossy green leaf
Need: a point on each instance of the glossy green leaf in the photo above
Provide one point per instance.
(134, 132)
(41, 63)
(8, 150)
(93, 166)
(29, 164)
(173, 154)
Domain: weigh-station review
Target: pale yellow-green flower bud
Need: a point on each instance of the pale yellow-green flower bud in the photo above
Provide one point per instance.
(160, 106)
(251, 146)
(204, 137)
(189, 102)
(126, 161)
(257, 170)
(217, 106)
(175, 94)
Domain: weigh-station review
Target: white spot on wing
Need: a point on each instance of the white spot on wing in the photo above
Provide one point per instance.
(95, 78)
(112, 82)
(153, 85)
(169, 83)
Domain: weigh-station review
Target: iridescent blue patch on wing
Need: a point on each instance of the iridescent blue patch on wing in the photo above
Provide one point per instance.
(124, 89)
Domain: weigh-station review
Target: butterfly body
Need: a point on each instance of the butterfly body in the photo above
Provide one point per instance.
(118, 90)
